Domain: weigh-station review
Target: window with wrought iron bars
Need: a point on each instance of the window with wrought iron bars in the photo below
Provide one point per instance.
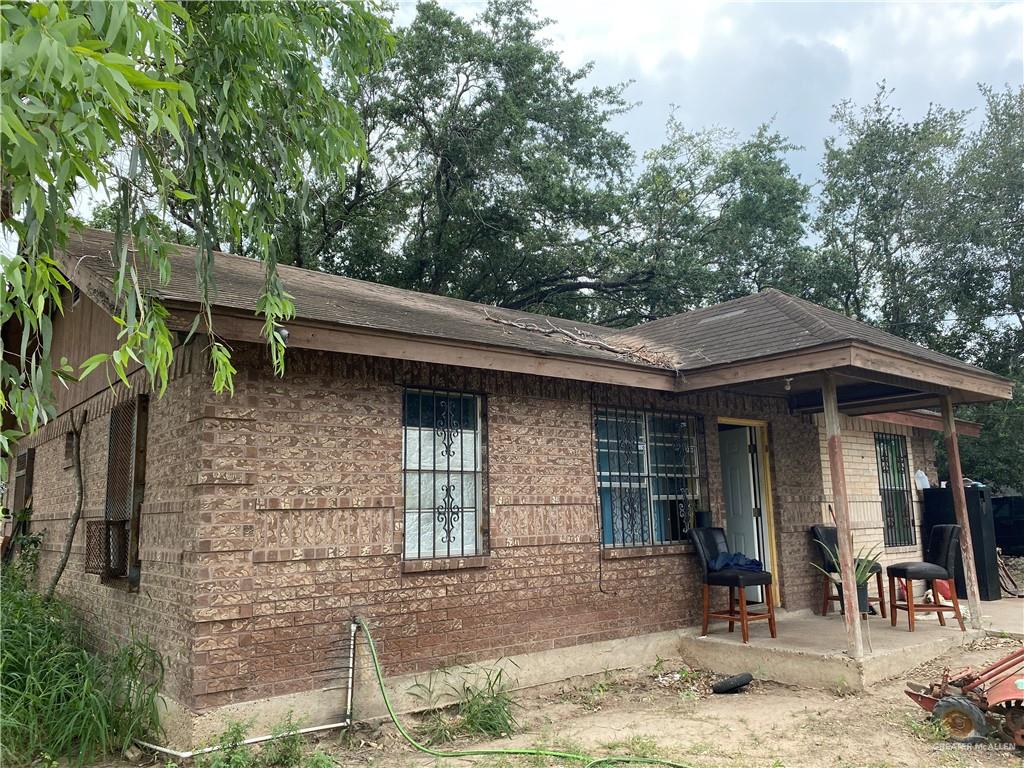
(443, 457)
(112, 544)
(895, 489)
(651, 474)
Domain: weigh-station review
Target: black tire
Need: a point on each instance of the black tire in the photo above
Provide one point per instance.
(733, 684)
(962, 719)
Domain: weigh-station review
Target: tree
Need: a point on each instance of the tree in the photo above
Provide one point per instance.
(709, 219)
(882, 187)
(983, 237)
(492, 174)
(210, 112)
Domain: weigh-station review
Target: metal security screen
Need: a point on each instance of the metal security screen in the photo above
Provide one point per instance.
(894, 488)
(112, 550)
(651, 475)
(23, 468)
(442, 462)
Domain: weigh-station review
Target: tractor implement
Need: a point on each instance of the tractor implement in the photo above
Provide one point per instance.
(969, 703)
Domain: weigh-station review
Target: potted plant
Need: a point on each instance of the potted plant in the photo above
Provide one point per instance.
(863, 565)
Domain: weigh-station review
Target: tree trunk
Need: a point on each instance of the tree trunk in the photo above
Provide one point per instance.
(76, 515)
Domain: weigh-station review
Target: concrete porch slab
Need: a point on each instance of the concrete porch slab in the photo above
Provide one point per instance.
(810, 650)
(1004, 618)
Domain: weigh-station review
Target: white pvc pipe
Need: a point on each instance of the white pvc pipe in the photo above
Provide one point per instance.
(270, 737)
(253, 740)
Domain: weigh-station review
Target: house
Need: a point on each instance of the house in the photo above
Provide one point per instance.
(476, 482)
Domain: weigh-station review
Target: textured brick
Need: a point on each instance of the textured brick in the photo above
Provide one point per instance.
(273, 517)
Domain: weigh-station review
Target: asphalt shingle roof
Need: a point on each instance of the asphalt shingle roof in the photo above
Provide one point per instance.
(759, 325)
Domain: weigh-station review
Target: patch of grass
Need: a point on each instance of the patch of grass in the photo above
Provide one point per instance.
(637, 745)
(59, 699)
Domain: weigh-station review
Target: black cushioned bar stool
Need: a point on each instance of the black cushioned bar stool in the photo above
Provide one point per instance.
(938, 565)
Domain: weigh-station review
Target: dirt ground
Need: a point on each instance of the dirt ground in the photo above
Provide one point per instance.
(670, 713)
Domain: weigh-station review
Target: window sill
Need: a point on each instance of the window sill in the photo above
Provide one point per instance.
(656, 550)
(445, 564)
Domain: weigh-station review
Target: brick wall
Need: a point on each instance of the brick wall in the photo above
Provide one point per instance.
(861, 462)
(300, 526)
(274, 516)
(161, 610)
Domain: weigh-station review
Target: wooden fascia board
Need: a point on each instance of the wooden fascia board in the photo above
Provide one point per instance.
(781, 366)
(924, 421)
(931, 375)
(359, 341)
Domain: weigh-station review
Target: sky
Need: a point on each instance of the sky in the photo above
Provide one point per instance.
(736, 65)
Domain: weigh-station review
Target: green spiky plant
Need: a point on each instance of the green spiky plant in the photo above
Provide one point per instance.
(863, 564)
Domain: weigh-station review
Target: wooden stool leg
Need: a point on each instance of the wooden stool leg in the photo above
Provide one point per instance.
(910, 603)
(956, 605)
(936, 598)
(732, 606)
(743, 614)
(892, 600)
(826, 588)
(707, 607)
(768, 598)
(881, 593)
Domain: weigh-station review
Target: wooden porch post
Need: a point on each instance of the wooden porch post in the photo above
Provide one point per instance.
(956, 482)
(837, 469)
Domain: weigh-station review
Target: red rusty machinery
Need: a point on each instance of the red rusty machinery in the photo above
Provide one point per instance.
(969, 703)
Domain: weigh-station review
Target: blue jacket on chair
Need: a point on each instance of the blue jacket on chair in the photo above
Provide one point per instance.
(734, 561)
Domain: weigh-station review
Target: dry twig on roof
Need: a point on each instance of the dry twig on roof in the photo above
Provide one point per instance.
(588, 339)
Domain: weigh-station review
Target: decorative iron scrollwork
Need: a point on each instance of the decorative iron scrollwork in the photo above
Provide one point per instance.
(448, 513)
(629, 442)
(447, 425)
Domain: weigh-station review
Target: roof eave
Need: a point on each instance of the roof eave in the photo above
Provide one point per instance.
(238, 325)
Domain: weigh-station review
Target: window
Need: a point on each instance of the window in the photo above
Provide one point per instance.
(442, 463)
(894, 488)
(112, 544)
(24, 466)
(651, 475)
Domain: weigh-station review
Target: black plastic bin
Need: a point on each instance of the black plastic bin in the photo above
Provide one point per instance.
(938, 510)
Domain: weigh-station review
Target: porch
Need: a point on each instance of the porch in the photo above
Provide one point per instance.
(811, 650)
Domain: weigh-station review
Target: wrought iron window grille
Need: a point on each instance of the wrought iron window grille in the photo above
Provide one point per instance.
(442, 470)
(894, 488)
(112, 544)
(651, 475)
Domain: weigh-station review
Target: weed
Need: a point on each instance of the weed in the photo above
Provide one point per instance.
(286, 750)
(842, 689)
(232, 753)
(480, 709)
(60, 700)
(318, 759)
(438, 726)
(487, 709)
(926, 730)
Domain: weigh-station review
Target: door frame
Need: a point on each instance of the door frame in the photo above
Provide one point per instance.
(768, 504)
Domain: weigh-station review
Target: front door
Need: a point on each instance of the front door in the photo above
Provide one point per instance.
(742, 489)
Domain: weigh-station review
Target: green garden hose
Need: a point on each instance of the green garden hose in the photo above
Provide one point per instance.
(588, 761)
